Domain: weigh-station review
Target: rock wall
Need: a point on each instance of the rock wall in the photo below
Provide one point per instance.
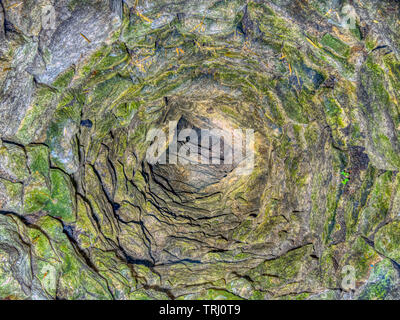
(83, 215)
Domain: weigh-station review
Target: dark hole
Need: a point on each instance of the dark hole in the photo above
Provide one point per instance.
(116, 206)
(87, 123)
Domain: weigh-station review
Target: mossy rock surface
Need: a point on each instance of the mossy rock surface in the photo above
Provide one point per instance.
(85, 215)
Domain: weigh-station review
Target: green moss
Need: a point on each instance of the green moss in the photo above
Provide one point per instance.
(10, 287)
(381, 282)
(64, 79)
(387, 149)
(125, 112)
(104, 92)
(213, 294)
(370, 43)
(271, 25)
(337, 45)
(356, 32)
(376, 291)
(378, 204)
(331, 107)
(135, 33)
(331, 206)
(301, 296)
(38, 159)
(242, 232)
(88, 65)
(36, 116)
(278, 272)
(61, 204)
(75, 280)
(311, 134)
(107, 94)
(335, 114)
(13, 195)
(387, 240)
(355, 132)
(13, 159)
(117, 55)
(363, 256)
(36, 194)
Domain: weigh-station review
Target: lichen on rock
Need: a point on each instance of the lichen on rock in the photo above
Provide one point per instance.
(84, 215)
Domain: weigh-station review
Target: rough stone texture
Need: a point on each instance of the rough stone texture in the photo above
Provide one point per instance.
(84, 216)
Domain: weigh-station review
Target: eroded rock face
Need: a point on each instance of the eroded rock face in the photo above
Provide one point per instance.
(84, 215)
